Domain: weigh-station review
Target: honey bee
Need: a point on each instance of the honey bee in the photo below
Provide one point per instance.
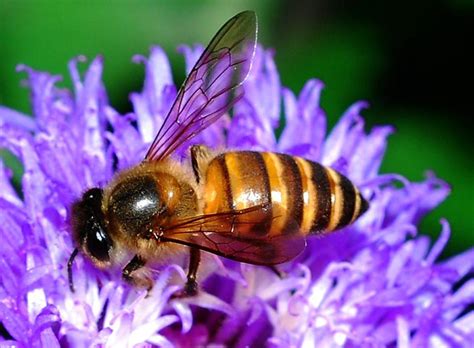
(252, 207)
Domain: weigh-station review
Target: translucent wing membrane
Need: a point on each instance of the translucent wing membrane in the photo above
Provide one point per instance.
(209, 90)
(220, 234)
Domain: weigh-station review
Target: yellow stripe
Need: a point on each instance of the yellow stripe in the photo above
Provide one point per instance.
(309, 195)
(278, 193)
(217, 190)
(337, 199)
(236, 184)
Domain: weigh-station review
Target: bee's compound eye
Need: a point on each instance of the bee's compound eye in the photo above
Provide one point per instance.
(98, 242)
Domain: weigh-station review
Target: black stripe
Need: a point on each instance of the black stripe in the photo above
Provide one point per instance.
(319, 176)
(252, 165)
(227, 189)
(348, 192)
(263, 173)
(294, 187)
(364, 206)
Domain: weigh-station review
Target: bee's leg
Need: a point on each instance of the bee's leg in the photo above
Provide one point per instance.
(130, 274)
(275, 270)
(191, 286)
(200, 156)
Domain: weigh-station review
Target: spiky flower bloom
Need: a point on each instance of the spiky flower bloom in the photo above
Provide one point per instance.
(376, 283)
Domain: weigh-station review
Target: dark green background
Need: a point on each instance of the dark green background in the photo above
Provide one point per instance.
(409, 59)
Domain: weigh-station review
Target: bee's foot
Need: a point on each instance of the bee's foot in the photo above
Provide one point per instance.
(276, 271)
(190, 289)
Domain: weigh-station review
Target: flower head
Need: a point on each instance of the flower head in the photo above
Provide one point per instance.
(375, 283)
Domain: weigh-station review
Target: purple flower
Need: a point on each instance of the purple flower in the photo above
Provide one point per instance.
(376, 283)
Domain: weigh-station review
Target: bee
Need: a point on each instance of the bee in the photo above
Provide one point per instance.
(252, 207)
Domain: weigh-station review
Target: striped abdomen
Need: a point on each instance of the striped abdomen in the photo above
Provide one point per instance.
(297, 195)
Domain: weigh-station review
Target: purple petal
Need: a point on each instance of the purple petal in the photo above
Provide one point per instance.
(349, 126)
(375, 283)
(305, 121)
(191, 55)
(153, 103)
(17, 119)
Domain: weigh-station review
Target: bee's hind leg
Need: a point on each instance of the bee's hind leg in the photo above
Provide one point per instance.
(191, 286)
(276, 271)
(132, 275)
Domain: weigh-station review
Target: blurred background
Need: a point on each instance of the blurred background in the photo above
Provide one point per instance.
(409, 59)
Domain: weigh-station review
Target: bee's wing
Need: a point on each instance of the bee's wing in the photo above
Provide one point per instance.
(208, 91)
(219, 234)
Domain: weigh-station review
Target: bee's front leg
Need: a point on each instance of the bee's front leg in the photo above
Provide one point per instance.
(131, 273)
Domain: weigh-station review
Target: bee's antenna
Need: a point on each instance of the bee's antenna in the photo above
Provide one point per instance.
(69, 269)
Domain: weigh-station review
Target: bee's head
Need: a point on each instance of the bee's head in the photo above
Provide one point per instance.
(89, 228)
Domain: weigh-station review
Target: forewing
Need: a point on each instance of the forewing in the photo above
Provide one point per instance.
(209, 90)
(219, 234)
